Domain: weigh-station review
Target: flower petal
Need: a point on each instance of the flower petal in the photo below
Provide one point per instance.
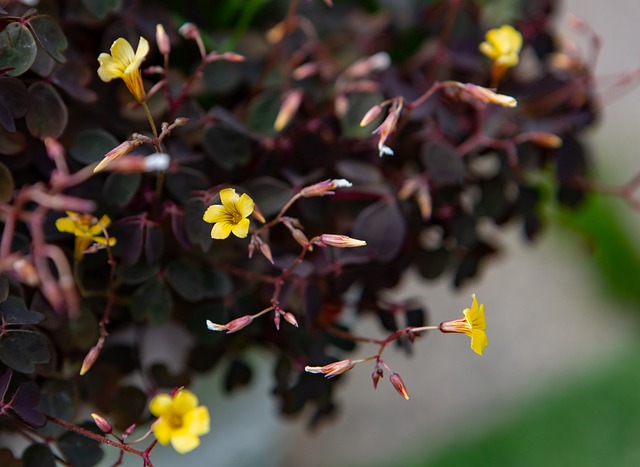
(162, 431)
(229, 198)
(160, 404)
(185, 443)
(142, 51)
(64, 224)
(184, 402)
(122, 52)
(221, 230)
(241, 229)
(478, 341)
(197, 421)
(216, 213)
(109, 69)
(245, 205)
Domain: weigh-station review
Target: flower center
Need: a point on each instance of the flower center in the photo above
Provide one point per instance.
(175, 420)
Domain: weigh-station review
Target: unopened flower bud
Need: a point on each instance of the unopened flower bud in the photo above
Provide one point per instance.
(542, 138)
(332, 369)
(340, 241)
(397, 382)
(189, 31)
(423, 197)
(258, 214)
(288, 109)
(26, 272)
(325, 187)
(162, 40)
(487, 96)
(103, 424)
(376, 375)
(371, 115)
(180, 121)
(122, 149)
(231, 326)
(233, 57)
(266, 251)
(305, 71)
(136, 164)
(90, 359)
(289, 318)
(364, 66)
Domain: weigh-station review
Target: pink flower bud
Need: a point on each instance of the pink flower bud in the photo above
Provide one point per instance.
(90, 359)
(325, 187)
(288, 108)
(26, 272)
(189, 31)
(399, 385)
(332, 369)
(231, 326)
(289, 318)
(104, 425)
(122, 149)
(371, 115)
(162, 39)
(339, 241)
(376, 375)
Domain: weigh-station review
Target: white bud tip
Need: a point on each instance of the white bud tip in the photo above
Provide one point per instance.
(156, 162)
(342, 183)
(214, 327)
(386, 150)
(380, 61)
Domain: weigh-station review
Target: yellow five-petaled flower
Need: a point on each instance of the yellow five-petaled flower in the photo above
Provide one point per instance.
(123, 63)
(87, 229)
(231, 215)
(502, 45)
(181, 421)
(473, 325)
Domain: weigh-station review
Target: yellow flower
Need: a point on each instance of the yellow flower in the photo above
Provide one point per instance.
(87, 229)
(231, 215)
(180, 420)
(473, 325)
(124, 64)
(502, 45)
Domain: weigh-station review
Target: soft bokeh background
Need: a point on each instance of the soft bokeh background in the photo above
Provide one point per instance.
(559, 383)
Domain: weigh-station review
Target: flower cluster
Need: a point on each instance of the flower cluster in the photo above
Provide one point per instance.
(87, 230)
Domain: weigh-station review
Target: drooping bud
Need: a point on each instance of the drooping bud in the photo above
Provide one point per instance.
(162, 40)
(189, 31)
(258, 214)
(339, 241)
(306, 70)
(377, 374)
(103, 424)
(122, 149)
(289, 318)
(371, 115)
(288, 108)
(397, 382)
(541, 138)
(332, 369)
(364, 66)
(487, 96)
(231, 326)
(325, 187)
(90, 359)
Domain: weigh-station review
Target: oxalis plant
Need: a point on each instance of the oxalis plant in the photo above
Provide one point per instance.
(253, 181)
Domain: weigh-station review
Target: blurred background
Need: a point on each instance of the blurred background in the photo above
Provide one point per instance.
(559, 383)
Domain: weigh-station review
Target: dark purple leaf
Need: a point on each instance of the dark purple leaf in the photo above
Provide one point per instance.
(14, 311)
(47, 114)
(14, 102)
(50, 35)
(25, 402)
(383, 227)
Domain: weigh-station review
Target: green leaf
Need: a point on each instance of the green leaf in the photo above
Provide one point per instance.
(152, 301)
(14, 102)
(7, 184)
(50, 36)
(22, 350)
(359, 104)
(11, 143)
(263, 111)
(17, 49)
(14, 311)
(38, 455)
(119, 189)
(101, 8)
(186, 278)
(47, 114)
(79, 450)
(92, 145)
(198, 231)
(226, 147)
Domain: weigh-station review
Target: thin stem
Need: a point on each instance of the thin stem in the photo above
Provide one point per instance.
(152, 123)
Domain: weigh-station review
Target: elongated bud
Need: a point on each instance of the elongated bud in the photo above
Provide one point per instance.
(26, 272)
(289, 318)
(180, 121)
(423, 197)
(397, 382)
(258, 214)
(136, 164)
(233, 57)
(90, 359)
(231, 326)
(371, 115)
(364, 66)
(487, 96)
(325, 187)
(266, 251)
(189, 31)
(162, 40)
(104, 425)
(306, 70)
(339, 241)
(288, 108)
(122, 149)
(332, 369)
(376, 375)
(541, 138)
